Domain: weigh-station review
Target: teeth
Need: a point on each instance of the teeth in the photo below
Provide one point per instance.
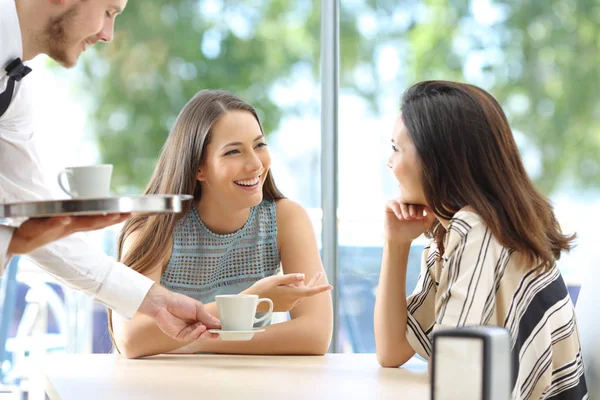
(248, 182)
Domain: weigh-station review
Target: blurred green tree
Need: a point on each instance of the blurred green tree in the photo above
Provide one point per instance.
(166, 50)
(540, 60)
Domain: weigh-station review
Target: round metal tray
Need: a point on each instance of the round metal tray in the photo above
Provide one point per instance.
(148, 204)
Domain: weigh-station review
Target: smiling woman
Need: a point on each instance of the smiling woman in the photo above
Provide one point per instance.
(235, 238)
(236, 163)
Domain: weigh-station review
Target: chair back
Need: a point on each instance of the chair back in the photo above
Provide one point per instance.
(588, 324)
(8, 295)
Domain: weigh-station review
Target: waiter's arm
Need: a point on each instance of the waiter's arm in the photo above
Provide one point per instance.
(35, 233)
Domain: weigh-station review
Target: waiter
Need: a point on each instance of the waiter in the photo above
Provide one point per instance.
(62, 29)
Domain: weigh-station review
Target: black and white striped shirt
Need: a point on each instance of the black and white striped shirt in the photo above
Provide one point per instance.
(478, 281)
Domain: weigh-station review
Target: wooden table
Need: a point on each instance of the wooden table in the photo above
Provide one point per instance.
(199, 377)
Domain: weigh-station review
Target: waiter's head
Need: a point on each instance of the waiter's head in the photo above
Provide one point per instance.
(72, 25)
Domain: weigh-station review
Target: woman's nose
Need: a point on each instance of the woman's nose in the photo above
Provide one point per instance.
(254, 163)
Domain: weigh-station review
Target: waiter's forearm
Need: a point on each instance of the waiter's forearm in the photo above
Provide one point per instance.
(84, 267)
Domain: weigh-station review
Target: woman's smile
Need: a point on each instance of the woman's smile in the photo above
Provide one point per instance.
(248, 184)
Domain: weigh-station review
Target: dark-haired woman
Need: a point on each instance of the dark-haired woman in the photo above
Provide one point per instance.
(495, 242)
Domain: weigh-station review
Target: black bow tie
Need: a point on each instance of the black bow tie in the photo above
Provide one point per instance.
(15, 71)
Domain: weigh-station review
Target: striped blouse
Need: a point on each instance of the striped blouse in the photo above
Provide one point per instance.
(480, 282)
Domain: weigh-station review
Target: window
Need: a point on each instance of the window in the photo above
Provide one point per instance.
(538, 60)
(535, 59)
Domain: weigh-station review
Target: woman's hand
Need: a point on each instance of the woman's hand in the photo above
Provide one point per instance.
(287, 291)
(406, 222)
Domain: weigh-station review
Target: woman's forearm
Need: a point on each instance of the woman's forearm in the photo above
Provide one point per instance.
(390, 307)
(142, 337)
(302, 335)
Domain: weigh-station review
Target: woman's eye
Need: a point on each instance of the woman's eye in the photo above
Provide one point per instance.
(394, 148)
(230, 152)
(261, 145)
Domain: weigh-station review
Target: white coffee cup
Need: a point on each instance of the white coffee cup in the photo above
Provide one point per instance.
(237, 311)
(92, 181)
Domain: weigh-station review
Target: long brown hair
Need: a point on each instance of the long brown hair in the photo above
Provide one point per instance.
(469, 157)
(175, 173)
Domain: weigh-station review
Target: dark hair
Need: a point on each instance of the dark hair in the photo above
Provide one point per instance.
(469, 157)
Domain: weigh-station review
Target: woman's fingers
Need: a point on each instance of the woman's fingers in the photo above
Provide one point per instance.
(419, 211)
(308, 291)
(394, 207)
(405, 211)
(300, 293)
(313, 281)
(287, 279)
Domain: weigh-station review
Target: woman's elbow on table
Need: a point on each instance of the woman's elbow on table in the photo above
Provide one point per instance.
(320, 345)
(131, 347)
(317, 343)
(127, 349)
(387, 362)
(394, 359)
(132, 352)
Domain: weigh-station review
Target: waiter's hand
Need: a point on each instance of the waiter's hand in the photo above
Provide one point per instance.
(178, 316)
(38, 232)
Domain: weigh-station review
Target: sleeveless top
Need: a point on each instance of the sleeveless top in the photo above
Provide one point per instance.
(205, 264)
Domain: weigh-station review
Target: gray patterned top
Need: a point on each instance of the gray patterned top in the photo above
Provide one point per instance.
(204, 264)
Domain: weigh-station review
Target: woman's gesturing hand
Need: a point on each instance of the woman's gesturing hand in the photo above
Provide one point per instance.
(287, 291)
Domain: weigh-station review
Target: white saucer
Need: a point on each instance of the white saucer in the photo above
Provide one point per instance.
(236, 335)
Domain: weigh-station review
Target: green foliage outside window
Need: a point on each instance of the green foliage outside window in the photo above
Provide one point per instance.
(539, 58)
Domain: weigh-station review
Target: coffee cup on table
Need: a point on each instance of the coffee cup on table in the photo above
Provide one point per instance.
(237, 311)
(92, 181)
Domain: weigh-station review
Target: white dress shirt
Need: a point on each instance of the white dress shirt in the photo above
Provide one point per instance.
(71, 260)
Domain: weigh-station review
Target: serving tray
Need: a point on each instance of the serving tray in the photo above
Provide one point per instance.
(147, 204)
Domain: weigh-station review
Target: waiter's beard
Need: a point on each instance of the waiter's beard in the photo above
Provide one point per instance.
(60, 45)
